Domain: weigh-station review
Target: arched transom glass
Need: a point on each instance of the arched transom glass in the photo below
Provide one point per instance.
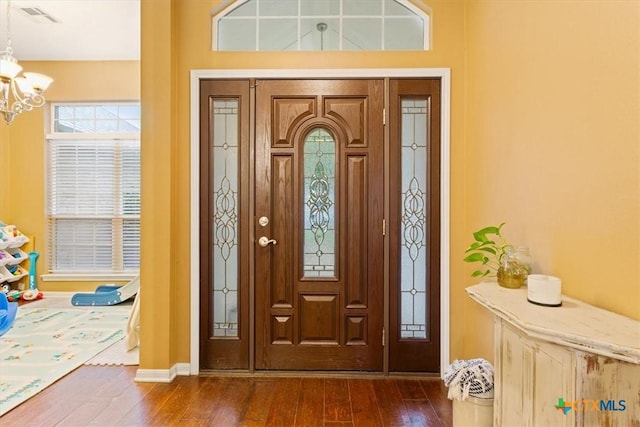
(311, 25)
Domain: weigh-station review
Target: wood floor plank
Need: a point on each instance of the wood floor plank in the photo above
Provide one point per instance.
(234, 402)
(337, 401)
(421, 413)
(390, 405)
(142, 413)
(411, 389)
(114, 398)
(363, 403)
(436, 392)
(199, 408)
(51, 412)
(101, 396)
(285, 403)
(174, 408)
(311, 403)
(122, 404)
(194, 423)
(259, 403)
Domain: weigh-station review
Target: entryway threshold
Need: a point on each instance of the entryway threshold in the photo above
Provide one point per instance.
(320, 374)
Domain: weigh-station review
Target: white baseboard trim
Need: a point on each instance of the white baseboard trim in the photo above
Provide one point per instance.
(155, 375)
(183, 369)
(162, 375)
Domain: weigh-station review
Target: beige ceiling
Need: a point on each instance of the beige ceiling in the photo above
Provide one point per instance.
(86, 29)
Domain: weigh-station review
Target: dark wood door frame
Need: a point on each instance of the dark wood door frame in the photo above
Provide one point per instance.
(414, 354)
(222, 352)
(444, 74)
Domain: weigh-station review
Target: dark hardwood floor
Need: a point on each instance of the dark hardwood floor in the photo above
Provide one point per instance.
(108, 396)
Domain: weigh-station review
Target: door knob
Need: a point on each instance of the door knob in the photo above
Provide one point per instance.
(264, 241)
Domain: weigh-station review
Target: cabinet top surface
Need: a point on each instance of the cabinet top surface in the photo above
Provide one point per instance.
(574, 324)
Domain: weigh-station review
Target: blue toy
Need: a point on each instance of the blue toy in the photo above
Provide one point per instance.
(32, 292)
(8, 311)
(108, 294)
(33, 256)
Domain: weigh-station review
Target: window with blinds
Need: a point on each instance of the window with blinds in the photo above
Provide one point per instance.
(93, 188)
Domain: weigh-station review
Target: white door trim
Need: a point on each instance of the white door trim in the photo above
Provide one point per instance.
(445, 126)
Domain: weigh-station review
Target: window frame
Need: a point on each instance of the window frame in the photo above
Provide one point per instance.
(51, 135)
(224, 9)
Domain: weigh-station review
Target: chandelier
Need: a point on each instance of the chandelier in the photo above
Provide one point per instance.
(18, 93)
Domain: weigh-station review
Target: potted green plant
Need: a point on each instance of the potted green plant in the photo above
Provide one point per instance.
(496, 257)
(487, 249)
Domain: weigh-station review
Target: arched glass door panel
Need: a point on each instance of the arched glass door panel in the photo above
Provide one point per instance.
(319, 204)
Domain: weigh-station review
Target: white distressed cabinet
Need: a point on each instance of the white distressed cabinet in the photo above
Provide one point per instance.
(584, 355)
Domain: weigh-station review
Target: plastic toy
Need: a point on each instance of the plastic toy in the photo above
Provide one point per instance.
(8, 311)
(31, 294)
(108, 294)
(13, 296)
(33, 256)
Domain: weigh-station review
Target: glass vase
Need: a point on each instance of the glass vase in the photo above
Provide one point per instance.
(511, 274)
(523, 257)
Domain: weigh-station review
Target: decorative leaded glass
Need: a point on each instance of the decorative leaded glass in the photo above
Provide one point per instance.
(224, 223)
(413, 248)
(319, 204)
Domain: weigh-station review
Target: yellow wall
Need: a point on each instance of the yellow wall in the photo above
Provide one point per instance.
(192, 40)
(164, 267)
(552, 144)
(544, 136)
(22, 149)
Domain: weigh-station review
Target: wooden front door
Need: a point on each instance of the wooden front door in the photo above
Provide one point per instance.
(292, 227)
(319, 188)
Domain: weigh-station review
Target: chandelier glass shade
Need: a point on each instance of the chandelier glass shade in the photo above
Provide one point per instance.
(19, 93)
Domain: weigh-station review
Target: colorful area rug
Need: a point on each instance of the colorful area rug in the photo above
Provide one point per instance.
(45, 344)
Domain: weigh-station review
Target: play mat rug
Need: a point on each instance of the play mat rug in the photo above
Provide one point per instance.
(45, 344)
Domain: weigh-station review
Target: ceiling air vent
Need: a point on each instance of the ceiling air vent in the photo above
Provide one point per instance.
(39, 14)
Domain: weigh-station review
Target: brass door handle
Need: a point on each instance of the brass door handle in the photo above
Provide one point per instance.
(264, 241)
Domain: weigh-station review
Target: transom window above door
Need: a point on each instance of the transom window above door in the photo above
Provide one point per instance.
(316, 25)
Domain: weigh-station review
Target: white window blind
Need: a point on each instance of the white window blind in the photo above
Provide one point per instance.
(93, 189)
